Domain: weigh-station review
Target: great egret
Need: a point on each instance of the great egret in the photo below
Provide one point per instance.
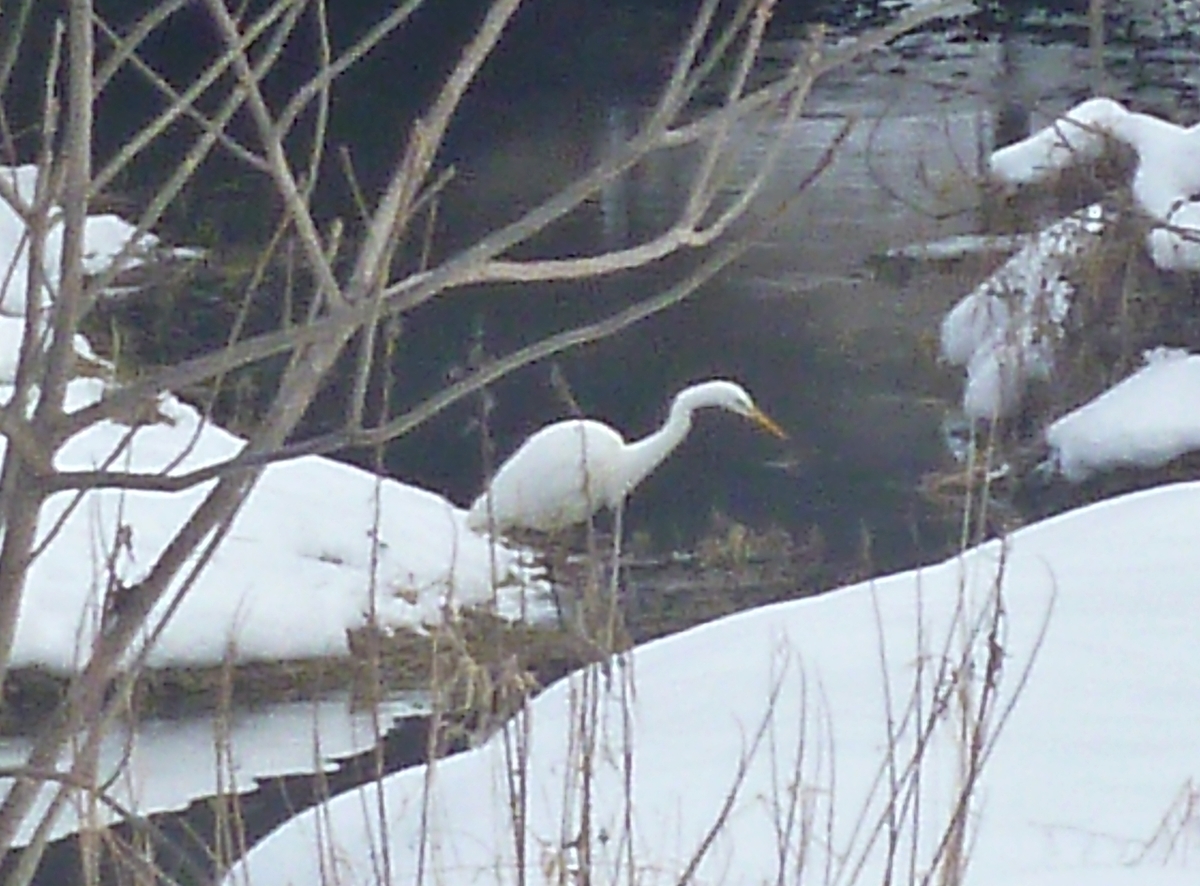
(569, 470)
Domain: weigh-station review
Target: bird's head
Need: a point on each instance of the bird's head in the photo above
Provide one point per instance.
(732, 397)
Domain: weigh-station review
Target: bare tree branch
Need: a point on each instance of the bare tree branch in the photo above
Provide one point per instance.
(12, 49)
(424, 141)
(465, 266)
(353, 286)
(278, 164)
(227, 141)
(68, 306)
(20, 498)
(473, 382)
(324, 78)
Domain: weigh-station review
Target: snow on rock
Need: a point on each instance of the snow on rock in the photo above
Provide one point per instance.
(1145, 421)
(1005, 332)
(978, 318)
(1165, 182)
(1178, 247)
(1091, 780)
(1079, 135)
(996, 376)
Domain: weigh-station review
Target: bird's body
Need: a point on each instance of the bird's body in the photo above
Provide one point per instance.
(559, 477)
(571, 469)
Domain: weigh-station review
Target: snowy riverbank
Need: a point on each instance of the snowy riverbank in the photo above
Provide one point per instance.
(1090, 781)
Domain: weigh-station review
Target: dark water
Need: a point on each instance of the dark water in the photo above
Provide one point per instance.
(839, 357)
(569, 84)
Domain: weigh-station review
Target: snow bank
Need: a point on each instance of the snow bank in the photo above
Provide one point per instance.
(1090, 783)
(1165, 182)
(1144, 421)
(294, 574)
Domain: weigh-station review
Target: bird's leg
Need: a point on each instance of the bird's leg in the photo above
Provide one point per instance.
(558, 557)
(618, 527)
(614, 587)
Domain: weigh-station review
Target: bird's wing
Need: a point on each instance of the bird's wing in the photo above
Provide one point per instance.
(542, 486)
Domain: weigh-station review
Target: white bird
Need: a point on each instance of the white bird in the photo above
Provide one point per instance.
(569, 470)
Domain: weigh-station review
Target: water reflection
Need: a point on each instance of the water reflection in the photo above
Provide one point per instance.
(164, 764)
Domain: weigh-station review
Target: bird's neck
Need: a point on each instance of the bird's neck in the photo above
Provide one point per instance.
(646, 454)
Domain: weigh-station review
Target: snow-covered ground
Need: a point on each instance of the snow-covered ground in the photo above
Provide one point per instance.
(1145, 420)
(1094, 780)
(300, 566)
(294, 574)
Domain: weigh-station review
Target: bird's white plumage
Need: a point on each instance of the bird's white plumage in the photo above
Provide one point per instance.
(569, 470)
(560, 476)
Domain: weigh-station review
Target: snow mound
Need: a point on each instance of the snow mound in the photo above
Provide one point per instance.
(319, 549)
(105, 238)
(1146, 420)
(1079, 135)
(1165, 182)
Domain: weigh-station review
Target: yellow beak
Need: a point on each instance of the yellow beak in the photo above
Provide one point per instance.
(764, 421)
